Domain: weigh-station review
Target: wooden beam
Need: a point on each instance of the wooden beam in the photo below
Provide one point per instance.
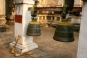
(75, 9)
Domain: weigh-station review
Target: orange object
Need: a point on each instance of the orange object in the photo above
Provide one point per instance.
(14, 47)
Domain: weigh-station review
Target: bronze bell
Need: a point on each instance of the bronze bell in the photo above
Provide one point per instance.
(33, 28)
(64, 32)
(64, 29)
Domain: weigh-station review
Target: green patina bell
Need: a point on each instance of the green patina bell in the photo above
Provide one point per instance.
(33, 28)
(64, 29)
(64, 32)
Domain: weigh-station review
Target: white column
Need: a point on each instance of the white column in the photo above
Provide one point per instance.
(82, 44)
(22, 19)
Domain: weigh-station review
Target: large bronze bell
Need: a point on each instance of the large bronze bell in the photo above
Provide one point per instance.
(64, 32)
(33, 29)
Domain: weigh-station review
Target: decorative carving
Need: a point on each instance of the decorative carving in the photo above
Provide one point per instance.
(2, 12)
(10, 16)
(76, 3)
(48, 3)
(81, 2)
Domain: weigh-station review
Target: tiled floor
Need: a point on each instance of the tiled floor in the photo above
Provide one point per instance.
(48, 48)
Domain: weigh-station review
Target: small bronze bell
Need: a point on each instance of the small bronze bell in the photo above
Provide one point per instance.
(34, 26)
(64, 32)
(33, 29)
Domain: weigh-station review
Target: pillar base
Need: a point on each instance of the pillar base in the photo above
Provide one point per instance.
(24, 48)
(4, 28)
(2, 19)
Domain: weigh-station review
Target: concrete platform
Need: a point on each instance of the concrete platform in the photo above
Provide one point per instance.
(48, 48)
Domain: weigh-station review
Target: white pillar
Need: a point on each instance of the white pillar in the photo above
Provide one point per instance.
(22, 19)
(82, 44)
